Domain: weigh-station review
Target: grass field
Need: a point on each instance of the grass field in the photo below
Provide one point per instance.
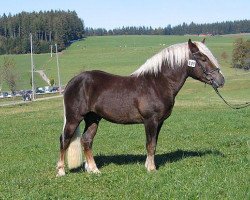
(203, 148)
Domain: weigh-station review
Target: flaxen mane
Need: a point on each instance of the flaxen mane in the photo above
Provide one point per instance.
(173, 56)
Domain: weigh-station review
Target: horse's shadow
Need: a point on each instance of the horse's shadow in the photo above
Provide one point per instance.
(160, 159)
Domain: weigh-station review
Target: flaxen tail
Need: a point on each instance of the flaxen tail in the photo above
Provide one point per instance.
(74, 152)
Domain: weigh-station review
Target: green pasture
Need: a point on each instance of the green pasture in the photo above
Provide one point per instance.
(202, 152)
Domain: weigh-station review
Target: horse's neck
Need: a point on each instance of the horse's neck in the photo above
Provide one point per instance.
(174, 79)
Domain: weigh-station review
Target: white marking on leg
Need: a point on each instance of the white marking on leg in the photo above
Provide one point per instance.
(146, 163)
(86, 166)
(149, 164)
(92, 169)
(61, 172)
(60, 169)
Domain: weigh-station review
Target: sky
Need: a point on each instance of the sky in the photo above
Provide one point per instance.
(111, 14)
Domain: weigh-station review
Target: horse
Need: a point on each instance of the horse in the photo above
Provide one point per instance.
(146, 97)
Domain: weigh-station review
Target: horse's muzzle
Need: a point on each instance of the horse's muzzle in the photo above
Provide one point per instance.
(218, 82)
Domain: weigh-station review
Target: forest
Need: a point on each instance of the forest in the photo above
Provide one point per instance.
(47, 28)
(64, 27)
(218, 28)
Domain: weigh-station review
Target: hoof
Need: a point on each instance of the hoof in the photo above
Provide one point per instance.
(60, 173)
(150, 167)
(94, 170)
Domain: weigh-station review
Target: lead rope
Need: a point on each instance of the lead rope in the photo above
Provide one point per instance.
(235, 106)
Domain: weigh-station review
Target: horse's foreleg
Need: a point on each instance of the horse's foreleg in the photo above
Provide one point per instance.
(87, 141)
(65, 138)
(152, 129)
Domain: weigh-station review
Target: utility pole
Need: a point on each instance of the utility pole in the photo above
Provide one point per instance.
(51, 46)
(32, 68)
(58, 71)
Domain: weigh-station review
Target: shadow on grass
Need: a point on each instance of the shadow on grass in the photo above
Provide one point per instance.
(160, 159)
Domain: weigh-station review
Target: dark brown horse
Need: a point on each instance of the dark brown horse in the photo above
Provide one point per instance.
(147, 97)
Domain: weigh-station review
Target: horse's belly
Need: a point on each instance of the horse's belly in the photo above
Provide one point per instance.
(119, 113)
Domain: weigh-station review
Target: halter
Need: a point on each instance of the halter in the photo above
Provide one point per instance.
(209, 73)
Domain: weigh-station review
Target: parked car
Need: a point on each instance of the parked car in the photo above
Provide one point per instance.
(40, 90)
(18, 93)
(47, 89)
(6, 95)
(54, 89)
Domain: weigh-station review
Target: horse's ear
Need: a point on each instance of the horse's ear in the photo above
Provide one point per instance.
(192, 46)
(204, 40)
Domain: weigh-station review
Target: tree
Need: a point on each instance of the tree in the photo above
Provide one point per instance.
(52, 81)
(241, 54)
(247, 58)
(9, 73)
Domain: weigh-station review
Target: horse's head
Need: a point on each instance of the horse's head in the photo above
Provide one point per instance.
(203, 66)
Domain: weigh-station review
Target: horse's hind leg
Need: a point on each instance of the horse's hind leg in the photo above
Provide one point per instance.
(68, 132)
(92, 121)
